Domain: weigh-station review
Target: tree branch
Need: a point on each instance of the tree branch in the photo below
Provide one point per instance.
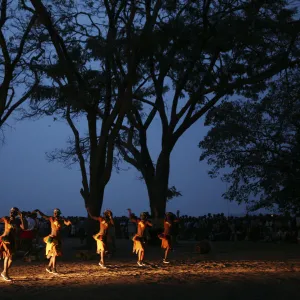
(140, 98)
(190, 121)
(130, 160)
(18, 103)
(79, 154)
(23, 40)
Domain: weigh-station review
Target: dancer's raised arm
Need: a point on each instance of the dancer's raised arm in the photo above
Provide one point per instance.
(67, 222)
(22, 225)
(111, 220)
(42, 215)
(96, 218)
(132, 217)
(149, 224)
(4, 220)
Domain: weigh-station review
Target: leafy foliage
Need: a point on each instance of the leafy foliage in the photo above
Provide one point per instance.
(173, 193)
(259, 141)
(121, 63)
(208, 51)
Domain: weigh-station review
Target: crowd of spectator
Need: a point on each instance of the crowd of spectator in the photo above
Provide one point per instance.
(267, 228)
(215, 227)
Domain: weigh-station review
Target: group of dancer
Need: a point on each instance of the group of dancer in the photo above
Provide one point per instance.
(16, 219)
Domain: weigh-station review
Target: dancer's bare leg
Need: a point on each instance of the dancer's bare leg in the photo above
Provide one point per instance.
(165, 260)
(141, 254)
(49, 269)
(166, 253)
(50, 265)
(9, 262)
(101, 263)
(54, 264)
(5, 266)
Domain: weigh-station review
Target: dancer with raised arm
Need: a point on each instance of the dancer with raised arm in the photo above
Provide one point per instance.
(101, 236)
(8, 238)
(53, 241)
(139, 239)
(166, 236)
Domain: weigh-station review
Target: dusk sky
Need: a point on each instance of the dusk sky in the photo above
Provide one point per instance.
(29, 181)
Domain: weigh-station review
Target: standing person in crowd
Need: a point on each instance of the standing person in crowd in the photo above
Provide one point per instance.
(8, 239)
(131, 229)
(36, 230)
(175, 230)
(82, 230)
(101, 236)
(139, 238)
(53, 241)
(166, 236)
(73, 230)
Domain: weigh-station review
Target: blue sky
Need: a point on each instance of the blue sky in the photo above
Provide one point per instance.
(29, 181)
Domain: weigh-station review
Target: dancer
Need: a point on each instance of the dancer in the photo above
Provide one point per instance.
(101, 236)
(138, 239)
(53, 241)
(166, 236)
(8, 238)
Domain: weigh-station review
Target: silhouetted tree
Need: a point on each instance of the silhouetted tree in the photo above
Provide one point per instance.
(99, 65)
(208, 51)
(259, 142)
(17, 55)
(186, 55)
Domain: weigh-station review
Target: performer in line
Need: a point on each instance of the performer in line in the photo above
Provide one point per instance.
(139, 239)
(8, 238)
(101, 236)
(166, 236)
(53, 241)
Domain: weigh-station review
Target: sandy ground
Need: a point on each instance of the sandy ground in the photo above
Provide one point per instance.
(241, 270)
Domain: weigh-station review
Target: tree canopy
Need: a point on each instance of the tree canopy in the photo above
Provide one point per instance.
(121, 63)
(208, 52)
(98, 68)
(258, 142)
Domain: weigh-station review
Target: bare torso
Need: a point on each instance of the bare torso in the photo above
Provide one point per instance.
(103, 226)
(56, 225)
(141, 226)
(167, 227)
(10, 225)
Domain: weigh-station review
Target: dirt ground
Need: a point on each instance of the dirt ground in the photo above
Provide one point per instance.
(242, 270)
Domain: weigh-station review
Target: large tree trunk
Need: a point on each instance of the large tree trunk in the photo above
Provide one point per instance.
(157, 199)
(94, 202)
(157, 187)
(157, 190)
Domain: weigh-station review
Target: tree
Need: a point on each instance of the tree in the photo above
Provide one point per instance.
(209, 51)
(17, 55)
(259, 141)
(189, 55)
(98, 66)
